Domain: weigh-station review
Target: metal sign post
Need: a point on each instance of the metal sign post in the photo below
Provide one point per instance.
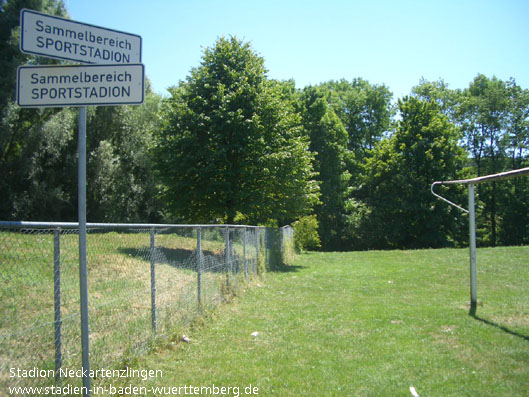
(118, 78)
(83, 283)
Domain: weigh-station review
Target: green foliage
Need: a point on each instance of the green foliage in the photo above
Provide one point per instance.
(345, 120)
(36, 156)
(424, 148)
(514, 216)
(328, 141)
(364, 109)
(306, 235)
(231, 143)
(38, 147)
(39, 165)
(31, 140)
(10, 55)
(494, 115)
(123, 184)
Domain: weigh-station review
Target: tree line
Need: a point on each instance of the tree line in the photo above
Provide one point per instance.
(230, 145)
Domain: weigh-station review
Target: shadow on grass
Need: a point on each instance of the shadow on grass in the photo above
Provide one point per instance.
(178, 258)
(283, 268)
(181, 258)
(473, 314)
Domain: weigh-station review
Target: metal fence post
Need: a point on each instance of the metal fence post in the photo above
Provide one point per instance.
(257, 234)
(199, 267)
(266, 245)
(245, 264)
(227, 256)
(57, 299)
(153, 282)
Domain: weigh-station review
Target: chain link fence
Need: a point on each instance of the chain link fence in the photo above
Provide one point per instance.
(144, 281)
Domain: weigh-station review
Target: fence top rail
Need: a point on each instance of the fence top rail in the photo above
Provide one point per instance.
(75, 225)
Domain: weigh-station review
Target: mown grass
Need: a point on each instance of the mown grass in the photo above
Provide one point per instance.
(367, 324)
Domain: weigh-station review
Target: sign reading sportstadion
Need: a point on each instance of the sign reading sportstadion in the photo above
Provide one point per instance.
(61, 38)
(58, 86)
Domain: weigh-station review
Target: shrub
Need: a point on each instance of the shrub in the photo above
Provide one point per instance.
(306, 235)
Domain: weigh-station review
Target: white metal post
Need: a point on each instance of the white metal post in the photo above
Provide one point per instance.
(472, 235)
(83, 284)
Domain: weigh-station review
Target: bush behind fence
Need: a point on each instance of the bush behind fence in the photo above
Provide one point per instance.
(143, 281)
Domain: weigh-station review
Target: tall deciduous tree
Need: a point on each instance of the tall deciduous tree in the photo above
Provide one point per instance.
(483, 114)
(438, 92)
(424, 148)
(25, 134)
(514, 210)
(494, 118)
(328, 141)
(365, 111)
(232, 145)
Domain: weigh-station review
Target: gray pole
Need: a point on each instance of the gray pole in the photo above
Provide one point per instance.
(257, 233)
(83, 284)
(153, 282)
(199, 268)
(57, 298)
(245, 264)
(472, 232)
(227, 256)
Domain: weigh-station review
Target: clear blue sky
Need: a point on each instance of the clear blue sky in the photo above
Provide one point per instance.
(391, 42)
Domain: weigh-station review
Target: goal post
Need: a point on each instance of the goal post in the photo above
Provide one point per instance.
(472, 219)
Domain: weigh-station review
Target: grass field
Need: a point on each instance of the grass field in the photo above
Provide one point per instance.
(366, 323)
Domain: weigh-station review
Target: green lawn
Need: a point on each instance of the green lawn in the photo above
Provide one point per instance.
(366, 323)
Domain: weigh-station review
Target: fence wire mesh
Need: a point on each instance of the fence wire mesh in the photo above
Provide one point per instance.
(143, 281)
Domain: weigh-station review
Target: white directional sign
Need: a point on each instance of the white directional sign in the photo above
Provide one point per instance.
(61, 38)
(58, 86)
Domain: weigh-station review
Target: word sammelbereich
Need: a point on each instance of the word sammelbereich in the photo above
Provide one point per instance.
(71, 47)
(35, 372)
(78, 92)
